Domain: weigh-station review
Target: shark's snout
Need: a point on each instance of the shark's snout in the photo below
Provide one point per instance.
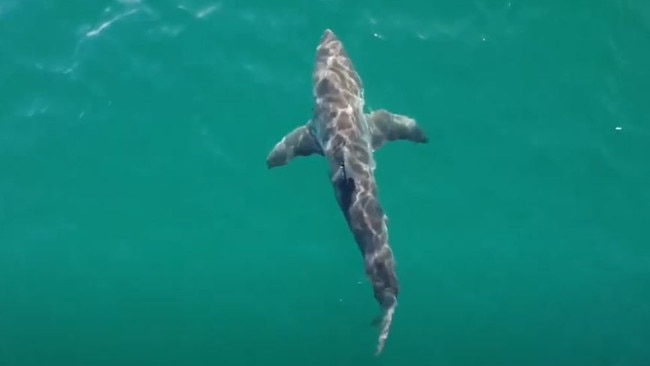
(328, 35)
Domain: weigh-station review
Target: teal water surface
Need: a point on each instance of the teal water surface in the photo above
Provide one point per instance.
(140, 226)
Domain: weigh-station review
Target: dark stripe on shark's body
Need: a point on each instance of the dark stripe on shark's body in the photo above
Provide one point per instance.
(341, 132)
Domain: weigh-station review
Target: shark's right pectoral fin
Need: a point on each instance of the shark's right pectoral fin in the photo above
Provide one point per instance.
(298, 142)
(386, 126)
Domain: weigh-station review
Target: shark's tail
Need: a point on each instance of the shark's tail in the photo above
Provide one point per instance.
(386, 320)
(380, 270)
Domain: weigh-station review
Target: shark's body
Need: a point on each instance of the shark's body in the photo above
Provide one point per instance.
(341, 132)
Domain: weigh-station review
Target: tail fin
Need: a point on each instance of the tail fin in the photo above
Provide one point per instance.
(386, 320)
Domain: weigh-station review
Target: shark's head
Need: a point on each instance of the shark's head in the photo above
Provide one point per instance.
(334, 65)
(329, 44)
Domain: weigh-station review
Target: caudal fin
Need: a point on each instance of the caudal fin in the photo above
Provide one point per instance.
(386, 320)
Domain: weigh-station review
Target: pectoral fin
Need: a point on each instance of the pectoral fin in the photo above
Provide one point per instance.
(298, 142)
(386, 126)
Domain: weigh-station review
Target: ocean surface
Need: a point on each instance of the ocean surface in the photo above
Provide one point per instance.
(139, 224)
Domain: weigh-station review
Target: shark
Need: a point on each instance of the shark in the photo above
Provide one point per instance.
(347, 137)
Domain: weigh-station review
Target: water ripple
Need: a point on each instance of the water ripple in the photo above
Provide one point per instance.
(96, 31)
(482, 23)
(203, 11)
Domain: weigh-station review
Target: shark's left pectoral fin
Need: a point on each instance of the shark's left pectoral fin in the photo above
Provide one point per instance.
(386, 126)
(298, 142)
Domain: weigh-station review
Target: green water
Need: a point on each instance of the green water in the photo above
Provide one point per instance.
(140, 226)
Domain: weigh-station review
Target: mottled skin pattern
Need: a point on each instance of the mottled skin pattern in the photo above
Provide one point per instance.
(341, 132)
